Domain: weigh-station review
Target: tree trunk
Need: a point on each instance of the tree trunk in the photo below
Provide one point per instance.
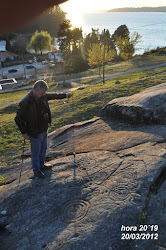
(99, 70)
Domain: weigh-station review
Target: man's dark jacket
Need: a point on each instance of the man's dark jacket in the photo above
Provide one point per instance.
(26, 117)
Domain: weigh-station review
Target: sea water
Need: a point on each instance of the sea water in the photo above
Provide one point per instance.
(150, 25)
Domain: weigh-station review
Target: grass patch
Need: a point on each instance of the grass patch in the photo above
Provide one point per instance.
(9, 97)
(85, 104)
(3, 180)
(89, 81)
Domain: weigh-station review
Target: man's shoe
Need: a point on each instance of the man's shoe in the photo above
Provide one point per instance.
(46, 167)
(39, 174)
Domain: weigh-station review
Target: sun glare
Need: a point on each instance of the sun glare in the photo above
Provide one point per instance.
(87, 6)
(75, 18)
(75, 9)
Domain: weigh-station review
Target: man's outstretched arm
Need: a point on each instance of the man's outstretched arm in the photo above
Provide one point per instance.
(52, 96)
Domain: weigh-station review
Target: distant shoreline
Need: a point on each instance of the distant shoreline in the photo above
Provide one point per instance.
(142, 9)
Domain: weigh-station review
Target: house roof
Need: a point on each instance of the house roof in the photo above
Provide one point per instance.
(5, 54)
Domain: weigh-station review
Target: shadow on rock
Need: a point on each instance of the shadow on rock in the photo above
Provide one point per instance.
(38, 210)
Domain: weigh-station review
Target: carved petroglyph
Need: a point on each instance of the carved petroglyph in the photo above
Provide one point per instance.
(74, 210)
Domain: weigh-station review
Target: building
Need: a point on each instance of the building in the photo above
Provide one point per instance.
(2, 45)
(56, 56)
(6, 54)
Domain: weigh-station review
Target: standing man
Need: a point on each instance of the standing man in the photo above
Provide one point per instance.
(32, 118)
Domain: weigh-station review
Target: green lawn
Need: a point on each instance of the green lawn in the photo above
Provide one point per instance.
(85, 104)
(9, 97)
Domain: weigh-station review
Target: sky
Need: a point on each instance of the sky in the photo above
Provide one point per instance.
(80, 6)
(74, 8)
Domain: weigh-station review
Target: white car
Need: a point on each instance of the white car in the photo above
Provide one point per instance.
(7, 83)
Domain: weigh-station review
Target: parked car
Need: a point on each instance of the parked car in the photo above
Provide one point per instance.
(52, 62)
(30, 67)
(52, 66)
(7, 83)
(12, 70)
(45, 62)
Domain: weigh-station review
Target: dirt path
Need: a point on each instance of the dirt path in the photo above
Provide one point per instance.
(136, 70)
(121, 73)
